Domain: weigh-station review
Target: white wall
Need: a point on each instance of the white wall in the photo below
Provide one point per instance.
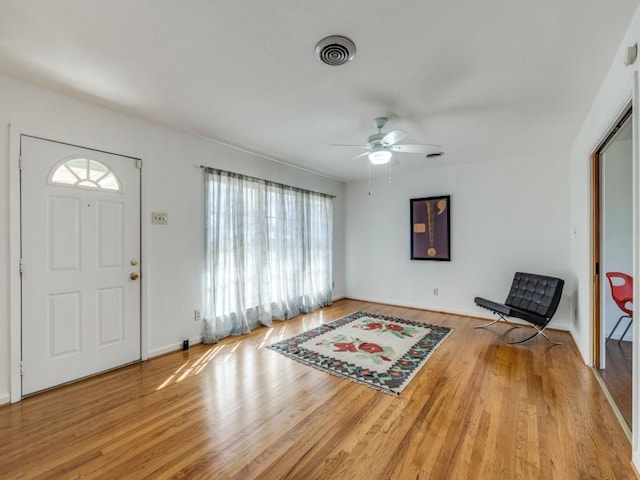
(617, 227)
(612, 100)
(618, 88)
(506, 216)
(172, 182)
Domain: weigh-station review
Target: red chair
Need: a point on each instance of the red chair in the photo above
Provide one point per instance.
(622, 294)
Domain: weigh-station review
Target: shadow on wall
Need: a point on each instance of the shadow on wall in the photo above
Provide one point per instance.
(572, 300)
(566, 317)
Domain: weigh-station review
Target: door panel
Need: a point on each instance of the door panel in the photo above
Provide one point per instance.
(80, 230)
(110, 235)
(111, 318)
(64, 233)
(63, 324)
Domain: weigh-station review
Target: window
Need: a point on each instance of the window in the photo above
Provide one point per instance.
(268, 253)
(83, 172)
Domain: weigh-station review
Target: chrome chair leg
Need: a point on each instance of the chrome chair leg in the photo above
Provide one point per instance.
(500, 318)
(539, 331)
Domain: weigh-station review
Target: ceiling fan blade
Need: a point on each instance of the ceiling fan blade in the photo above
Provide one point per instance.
(361, 155)
(393, 137)
(347, 145)
(414, 148)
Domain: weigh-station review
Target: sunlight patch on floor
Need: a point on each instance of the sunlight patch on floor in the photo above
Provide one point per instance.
(190, 368)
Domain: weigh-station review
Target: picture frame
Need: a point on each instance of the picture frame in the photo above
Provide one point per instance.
(430, 228)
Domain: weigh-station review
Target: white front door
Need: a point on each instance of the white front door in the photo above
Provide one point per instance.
(80, 215)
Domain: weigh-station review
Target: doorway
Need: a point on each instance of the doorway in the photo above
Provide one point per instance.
(80, 262)
(613, 266)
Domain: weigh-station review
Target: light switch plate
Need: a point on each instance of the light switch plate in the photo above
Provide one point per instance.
(159, 218)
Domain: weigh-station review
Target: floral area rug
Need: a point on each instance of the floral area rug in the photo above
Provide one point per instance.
(376, 350)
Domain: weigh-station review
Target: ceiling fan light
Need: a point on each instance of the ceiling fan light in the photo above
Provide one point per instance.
(380, 157)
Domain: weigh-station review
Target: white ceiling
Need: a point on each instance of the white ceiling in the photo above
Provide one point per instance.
(490, 79)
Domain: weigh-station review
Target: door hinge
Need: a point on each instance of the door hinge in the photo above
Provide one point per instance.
(21, 369)
(20, 162)
(138, 163)
(21, 266)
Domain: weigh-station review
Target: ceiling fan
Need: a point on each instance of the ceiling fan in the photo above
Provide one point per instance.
(381, 146)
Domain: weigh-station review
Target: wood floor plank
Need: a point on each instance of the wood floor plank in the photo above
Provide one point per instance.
(237, 410)
(618, 376)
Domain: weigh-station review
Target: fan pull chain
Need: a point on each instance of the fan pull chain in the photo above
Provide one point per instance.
(389, 172)
(369, 163)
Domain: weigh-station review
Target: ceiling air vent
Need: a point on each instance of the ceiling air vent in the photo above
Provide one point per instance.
(335, 50)
(435, 155)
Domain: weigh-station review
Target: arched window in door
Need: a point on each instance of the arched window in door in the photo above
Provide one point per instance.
(84, 172)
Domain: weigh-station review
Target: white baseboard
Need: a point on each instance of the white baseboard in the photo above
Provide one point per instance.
(465, 313)
(172, 347)
(635, 462)
(4, 398)
(480, 313)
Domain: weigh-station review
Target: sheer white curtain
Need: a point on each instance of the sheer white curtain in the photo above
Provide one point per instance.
(268, 253)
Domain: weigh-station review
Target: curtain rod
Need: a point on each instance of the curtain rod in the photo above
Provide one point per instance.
(262, 180)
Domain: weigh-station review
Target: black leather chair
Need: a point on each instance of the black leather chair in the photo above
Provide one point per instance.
(533, 298)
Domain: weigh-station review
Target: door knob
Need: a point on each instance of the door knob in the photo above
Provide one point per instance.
(134, 276)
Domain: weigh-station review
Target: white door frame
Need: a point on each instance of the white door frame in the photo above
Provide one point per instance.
(635, 400)
(630, 95)
(15, 292)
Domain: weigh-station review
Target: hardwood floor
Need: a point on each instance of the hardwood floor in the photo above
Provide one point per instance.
(478, 409)
(617, 376)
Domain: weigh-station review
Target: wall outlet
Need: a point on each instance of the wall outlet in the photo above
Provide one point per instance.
(196, 315)
(435, 292)
(159, 218)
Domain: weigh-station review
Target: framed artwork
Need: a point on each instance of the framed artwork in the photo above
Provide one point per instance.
(430, 219)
